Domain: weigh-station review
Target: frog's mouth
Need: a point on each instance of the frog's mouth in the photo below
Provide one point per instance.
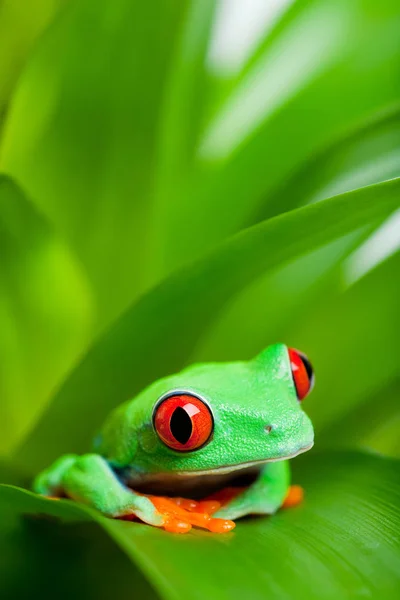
(202, 483)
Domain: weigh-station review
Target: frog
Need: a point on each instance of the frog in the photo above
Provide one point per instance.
(205, 447)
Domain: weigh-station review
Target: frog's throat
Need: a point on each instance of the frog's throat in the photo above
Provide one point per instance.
(241, 466)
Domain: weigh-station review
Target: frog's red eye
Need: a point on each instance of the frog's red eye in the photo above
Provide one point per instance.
(302, 372)
(183, 421)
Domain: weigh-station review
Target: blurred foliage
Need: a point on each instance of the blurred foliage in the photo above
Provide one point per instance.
(45, 311)
(21, 23)
(159, 207)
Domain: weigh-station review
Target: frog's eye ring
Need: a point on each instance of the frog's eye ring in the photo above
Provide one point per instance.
(183, 421)
(302, 373)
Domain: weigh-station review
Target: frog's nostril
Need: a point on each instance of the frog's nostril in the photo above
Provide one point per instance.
(268, 428)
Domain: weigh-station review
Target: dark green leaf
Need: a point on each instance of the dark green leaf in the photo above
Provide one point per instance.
(353, 340)
(42, 558)
(374, 422)
(342, 542)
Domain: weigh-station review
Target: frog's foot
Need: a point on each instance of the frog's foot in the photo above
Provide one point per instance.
(294, 496)
(180, 514)
(226, 496)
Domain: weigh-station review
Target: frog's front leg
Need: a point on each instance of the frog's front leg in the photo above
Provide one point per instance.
(89, 479)
(265, 496)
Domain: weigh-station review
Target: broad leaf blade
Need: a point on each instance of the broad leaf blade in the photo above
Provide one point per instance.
(367, 155)
(77, 560)
(314, 80)
(157, 334)
(342, 542)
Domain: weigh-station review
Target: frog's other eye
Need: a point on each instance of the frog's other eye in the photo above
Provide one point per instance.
(183, 421)
(302, 373)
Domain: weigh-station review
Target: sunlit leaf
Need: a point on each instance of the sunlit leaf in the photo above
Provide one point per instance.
(21, 23)
(326, 67)
(86, 154)
(342, 542)
(156, 335)
(369, 155)
(270, 307)
(45, 312)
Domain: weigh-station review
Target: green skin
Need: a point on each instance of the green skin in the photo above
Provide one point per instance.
(258, 420)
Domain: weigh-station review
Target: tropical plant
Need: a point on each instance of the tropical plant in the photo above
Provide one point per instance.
(164, 199)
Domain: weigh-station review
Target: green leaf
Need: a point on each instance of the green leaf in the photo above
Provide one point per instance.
(157, 334)
(342, 542)
(86, 154)
(313, 80)
(45, 312)
(182, 116)
(372, 423)
(21, 23)
(77, 560)
(354, 344)
(368, 155)
(287, 292)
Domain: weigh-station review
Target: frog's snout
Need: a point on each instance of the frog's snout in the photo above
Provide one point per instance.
(268, 428)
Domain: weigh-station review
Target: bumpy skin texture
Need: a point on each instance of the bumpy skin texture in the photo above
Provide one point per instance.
(257, 418)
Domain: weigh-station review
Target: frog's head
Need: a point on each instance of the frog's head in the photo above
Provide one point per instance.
(219, 417)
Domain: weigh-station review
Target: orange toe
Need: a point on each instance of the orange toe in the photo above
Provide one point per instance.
(220, 525)
(181, 514)
(294, 496)
(176, 525)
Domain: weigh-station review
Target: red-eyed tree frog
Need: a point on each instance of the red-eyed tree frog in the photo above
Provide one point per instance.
(221, 433)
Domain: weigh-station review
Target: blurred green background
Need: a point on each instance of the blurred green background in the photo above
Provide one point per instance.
(191, 180)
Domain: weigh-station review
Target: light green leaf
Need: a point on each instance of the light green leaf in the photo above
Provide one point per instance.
(45, 312)
(326, 67)
(289, 293)
(86, 153)
(341, 543)
(369, 155)
(156, 335)
(182, 118)
(21, 23)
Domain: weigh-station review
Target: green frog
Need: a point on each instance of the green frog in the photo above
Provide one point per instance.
(205, 446)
